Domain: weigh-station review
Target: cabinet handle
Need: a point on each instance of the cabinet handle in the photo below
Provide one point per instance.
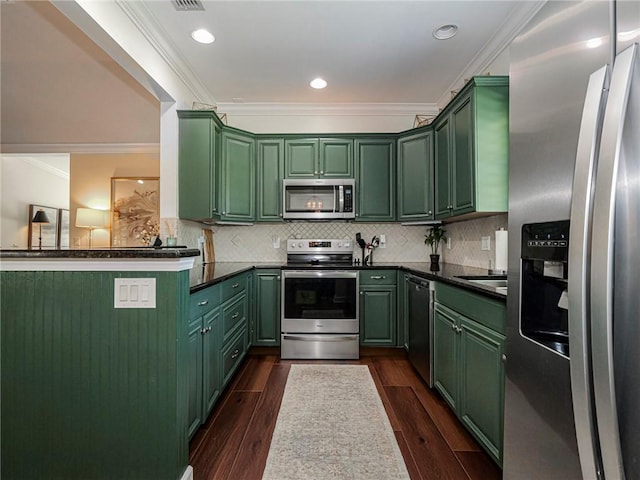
(235, 285)
(458, 329)
(504, 358)
(453, 327)
(378, 277)
(204, 331)
(235, 354)
(235, 315)
(203, 303)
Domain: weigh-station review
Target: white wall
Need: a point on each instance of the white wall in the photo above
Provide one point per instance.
(29, 179)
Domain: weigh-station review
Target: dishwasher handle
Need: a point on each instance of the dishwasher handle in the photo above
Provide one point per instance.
(421, 282)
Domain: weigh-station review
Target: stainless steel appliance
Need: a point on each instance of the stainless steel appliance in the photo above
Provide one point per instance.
(318, 199)
(420, 296)
(320, 306)
(575, 154)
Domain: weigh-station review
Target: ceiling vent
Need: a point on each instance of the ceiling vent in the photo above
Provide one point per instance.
(187, 5)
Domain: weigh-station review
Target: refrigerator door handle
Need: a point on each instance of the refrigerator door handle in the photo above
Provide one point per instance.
(579, 235)
(602, 265)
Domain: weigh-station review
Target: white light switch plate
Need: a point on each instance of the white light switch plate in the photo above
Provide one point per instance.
(134, 293)
(486, 243)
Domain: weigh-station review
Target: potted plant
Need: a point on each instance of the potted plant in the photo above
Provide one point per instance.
(434, 236)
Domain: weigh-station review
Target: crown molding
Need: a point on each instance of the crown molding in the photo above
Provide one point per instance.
(44, 166)
(80, 148)
(328, 109)
(500, 40)
(150, 28)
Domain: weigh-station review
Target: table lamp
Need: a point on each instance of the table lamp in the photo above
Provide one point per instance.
(90, 218)
(40, 217)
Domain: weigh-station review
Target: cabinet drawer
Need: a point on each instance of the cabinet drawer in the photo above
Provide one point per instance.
(233, 286)
(486, 311)
(203, 301)
(233, 315)
(232, 354)
(378, 277)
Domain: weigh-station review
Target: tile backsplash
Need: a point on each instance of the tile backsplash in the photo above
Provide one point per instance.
(404, 243)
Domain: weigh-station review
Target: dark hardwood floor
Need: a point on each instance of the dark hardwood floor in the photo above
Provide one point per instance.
(234, 442)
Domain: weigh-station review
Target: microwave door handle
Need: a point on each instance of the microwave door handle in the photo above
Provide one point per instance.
(341, 198)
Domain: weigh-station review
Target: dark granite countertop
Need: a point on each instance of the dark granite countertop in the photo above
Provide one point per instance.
(98, 253)
(204, 275)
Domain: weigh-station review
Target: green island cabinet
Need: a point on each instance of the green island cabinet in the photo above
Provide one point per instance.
(90, 391)
(318, 158)
(375, 172)
(469, 336)
(270, 172)
(204, 350)
(198, 149)
(378, 307)
(235, 296)
(267, 307)
(472, 150)
(415, 176)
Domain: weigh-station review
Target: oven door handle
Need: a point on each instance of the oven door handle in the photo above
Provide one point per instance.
(321, 338)
(319, 274)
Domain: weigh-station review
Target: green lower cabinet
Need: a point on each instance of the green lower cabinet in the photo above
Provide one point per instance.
(378, 315)
(469, 373)
(204, 351)
(266, 330)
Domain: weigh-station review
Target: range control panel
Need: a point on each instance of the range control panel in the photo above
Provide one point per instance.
(298, 245)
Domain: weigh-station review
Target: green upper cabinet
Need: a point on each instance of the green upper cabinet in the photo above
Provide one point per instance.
(472, 150)
(375, 180)
(270, 160)
(415, 176)
(319, 158)
(237, 178)
(199, 141)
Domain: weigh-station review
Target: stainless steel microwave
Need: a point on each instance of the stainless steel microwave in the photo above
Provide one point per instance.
(318, 199)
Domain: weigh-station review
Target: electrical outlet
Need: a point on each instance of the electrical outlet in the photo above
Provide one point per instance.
(486, 243)
(383, 241)
(448, 243)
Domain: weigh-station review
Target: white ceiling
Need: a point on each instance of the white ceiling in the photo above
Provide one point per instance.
(369, 52)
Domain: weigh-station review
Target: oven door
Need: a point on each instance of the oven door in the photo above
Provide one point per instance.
(320, 301)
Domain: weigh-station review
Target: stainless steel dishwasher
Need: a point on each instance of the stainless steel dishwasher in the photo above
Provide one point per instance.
(420, 296)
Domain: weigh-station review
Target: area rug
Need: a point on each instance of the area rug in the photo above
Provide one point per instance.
(332, 425)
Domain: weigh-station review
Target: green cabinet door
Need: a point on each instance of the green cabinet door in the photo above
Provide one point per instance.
(318, 158)
(403, 311)
(375, 180)
(415, 177)
(267, 311)
(194, 365)
(237, 178)
(443, 205)
(378, 315)
(211, 381)
(197, 146)
(445, 354)
(270, 172)
(301, 158)
(335, 158)
(482, 384)
(463, 165)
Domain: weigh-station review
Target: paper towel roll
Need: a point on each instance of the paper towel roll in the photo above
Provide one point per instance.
(501, 250)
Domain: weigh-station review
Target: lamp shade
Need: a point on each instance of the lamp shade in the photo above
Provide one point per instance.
(40, 217)
(91, 218)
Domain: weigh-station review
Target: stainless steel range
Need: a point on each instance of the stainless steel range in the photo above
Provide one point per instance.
(320, 311)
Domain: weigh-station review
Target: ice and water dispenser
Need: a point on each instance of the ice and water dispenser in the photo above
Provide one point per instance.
(544, 316)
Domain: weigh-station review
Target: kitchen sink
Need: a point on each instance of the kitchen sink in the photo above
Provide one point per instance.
(498, 281)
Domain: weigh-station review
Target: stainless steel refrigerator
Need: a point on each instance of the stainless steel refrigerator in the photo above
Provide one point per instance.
(572, 406)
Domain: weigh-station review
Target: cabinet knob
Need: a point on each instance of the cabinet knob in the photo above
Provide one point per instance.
(235, 285)
(278, 277)
(361, 293)
(235, 315)
(504, 358)
(224, 213)
(453, 327)
(429, 212)
(321, 172)
(315, 172)
(357, 215)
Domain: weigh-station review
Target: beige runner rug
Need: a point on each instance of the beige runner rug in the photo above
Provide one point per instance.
(332, 425)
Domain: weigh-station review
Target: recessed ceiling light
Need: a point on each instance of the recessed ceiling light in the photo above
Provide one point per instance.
(445, 31)
(202, 36)
(318, 83)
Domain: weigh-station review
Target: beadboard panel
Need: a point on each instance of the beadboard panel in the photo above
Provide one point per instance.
(89, 391)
